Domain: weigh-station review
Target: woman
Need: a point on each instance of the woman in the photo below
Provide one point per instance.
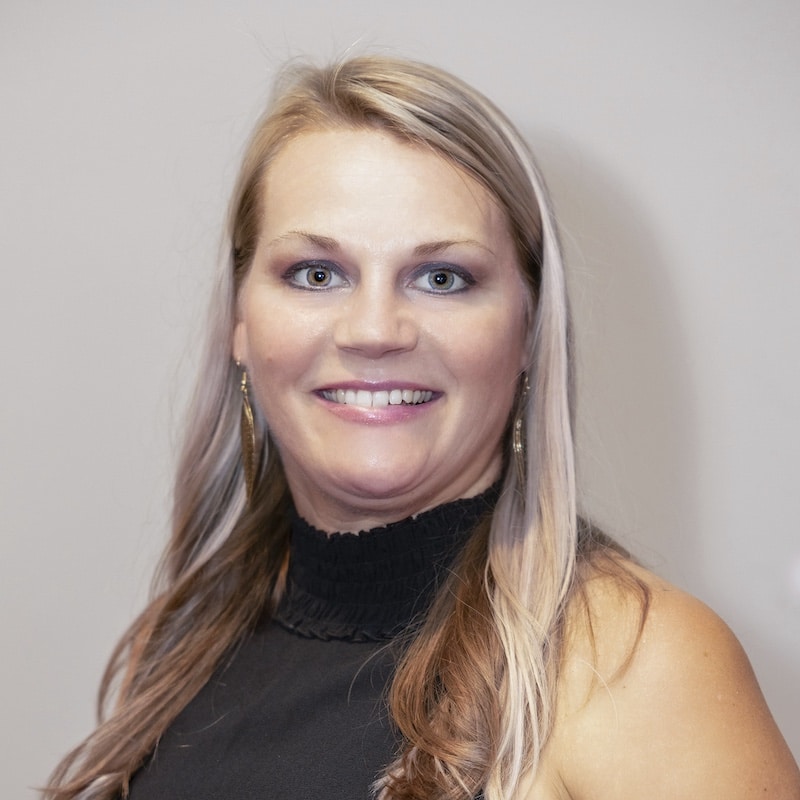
(378, 583)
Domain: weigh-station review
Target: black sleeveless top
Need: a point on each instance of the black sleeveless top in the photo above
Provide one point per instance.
(299, 711)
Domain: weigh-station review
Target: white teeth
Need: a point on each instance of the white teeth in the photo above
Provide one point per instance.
(366, 399)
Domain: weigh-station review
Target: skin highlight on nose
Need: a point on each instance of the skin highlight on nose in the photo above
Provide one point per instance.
(375, 323)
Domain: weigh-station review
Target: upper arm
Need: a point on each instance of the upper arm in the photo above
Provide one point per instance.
(684, 718)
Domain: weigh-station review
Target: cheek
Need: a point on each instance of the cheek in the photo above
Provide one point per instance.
(281, 351)
(260, 332)
(272, 354)
(510, 333)
(491, 356)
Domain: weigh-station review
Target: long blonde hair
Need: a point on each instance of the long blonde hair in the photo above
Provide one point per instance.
(473, 696)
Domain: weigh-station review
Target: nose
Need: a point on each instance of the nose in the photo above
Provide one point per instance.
(376, 321)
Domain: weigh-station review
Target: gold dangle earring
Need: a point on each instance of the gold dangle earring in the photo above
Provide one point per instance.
(518, 434)
(248, 432)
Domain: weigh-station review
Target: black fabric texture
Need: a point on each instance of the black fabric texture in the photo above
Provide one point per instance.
(298, 711)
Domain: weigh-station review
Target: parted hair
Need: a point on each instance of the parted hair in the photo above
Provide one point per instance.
(473, 695)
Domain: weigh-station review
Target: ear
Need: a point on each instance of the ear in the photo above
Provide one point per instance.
(240, 350)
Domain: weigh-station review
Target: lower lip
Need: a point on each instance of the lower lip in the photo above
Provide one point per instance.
(384, 415)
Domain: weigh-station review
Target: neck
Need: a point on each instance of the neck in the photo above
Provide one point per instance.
(373, 585)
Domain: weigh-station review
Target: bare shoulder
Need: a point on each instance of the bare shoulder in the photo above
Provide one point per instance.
(658, 699)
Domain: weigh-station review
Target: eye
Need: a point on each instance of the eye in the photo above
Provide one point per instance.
(315, 275)
(442, 279)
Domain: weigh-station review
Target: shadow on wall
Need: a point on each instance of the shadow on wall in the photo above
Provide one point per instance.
(636, 416)
(637, 422)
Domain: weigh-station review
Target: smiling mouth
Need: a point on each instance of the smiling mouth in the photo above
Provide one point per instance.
(365, 399)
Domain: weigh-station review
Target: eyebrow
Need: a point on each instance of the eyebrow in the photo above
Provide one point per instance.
(424, 250)
(433, 248)
(323, 242)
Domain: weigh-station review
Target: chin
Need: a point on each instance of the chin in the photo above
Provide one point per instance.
(375, 485)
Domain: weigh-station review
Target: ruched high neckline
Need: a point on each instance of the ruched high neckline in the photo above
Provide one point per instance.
(372, 585)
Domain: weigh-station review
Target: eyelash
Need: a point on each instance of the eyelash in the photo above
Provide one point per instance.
(458, 277)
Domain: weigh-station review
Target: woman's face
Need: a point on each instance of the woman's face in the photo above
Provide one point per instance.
(382, 325)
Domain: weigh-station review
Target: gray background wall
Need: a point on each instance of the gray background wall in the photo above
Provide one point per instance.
(668, 133)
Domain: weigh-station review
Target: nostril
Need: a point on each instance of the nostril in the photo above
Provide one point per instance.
(375, 328)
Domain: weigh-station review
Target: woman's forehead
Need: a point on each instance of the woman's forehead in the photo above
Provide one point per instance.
(347, 179)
